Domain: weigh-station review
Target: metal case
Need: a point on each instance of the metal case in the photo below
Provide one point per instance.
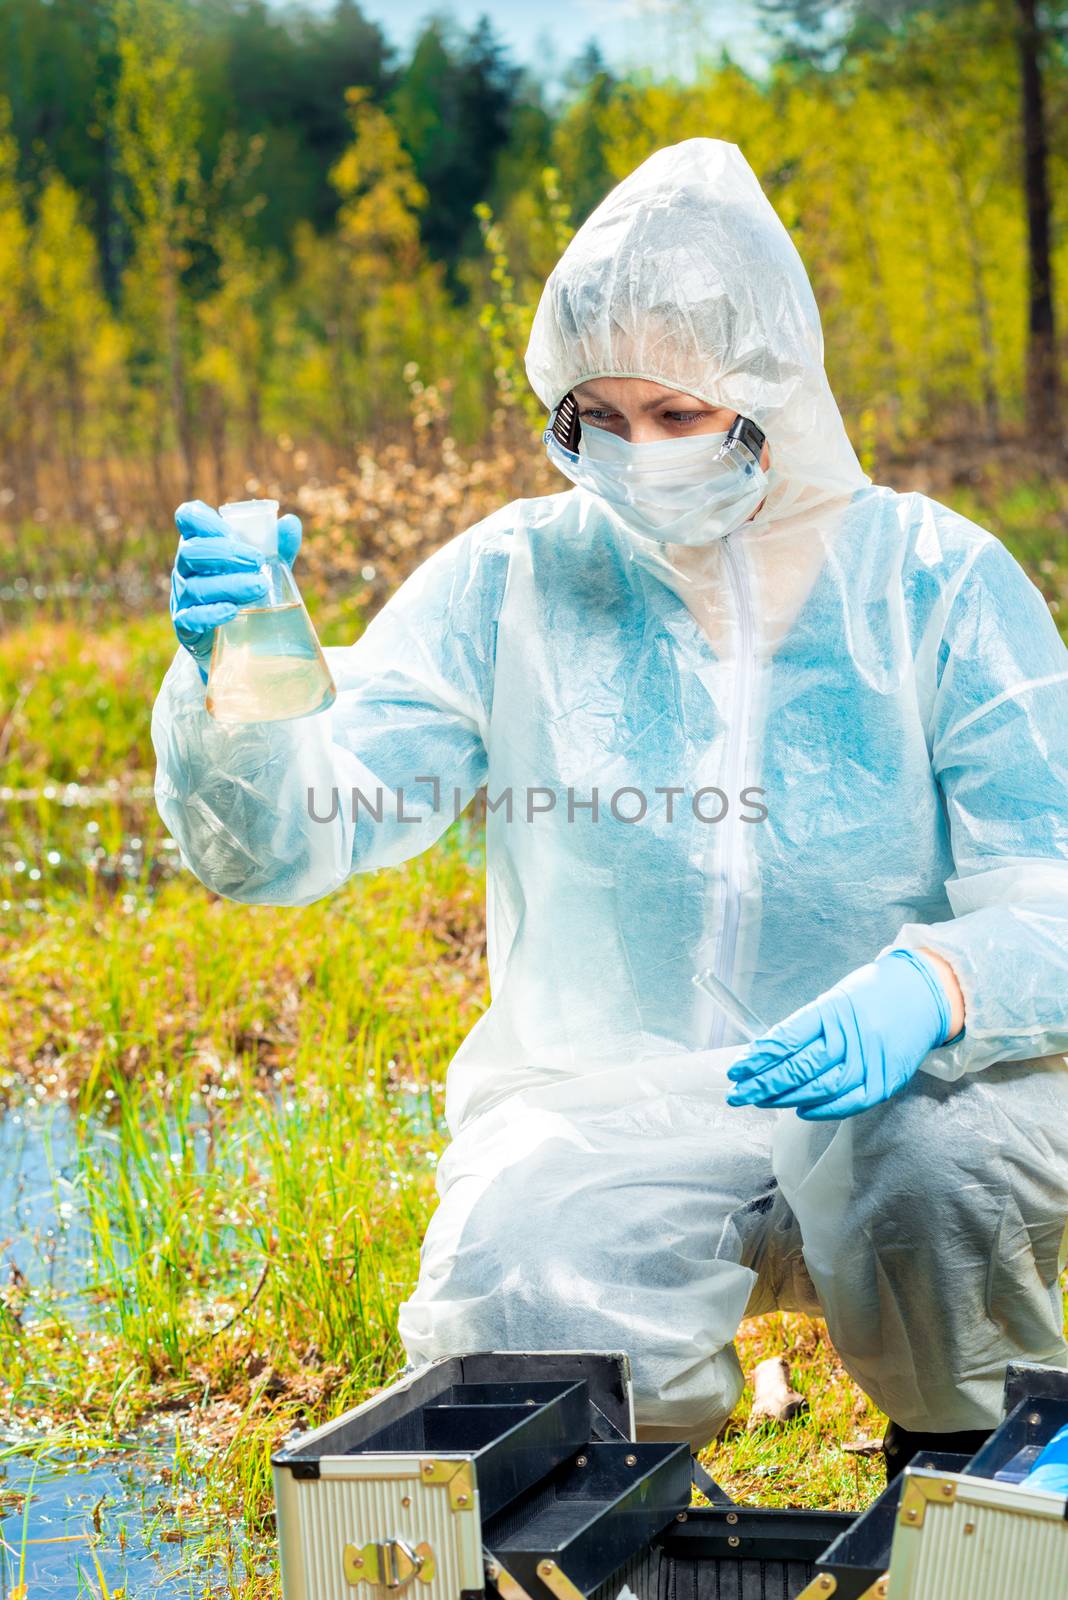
(515, 1475)
(959, 1537)
(978, 1534)
(398, 1490)
(954, 1530)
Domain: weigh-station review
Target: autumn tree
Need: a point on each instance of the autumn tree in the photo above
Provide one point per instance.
(16, 343)
(156, 123)
(79, 350)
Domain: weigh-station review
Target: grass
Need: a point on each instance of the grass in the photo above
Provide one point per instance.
(257, 1101)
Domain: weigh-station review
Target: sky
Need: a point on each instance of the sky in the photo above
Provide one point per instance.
(664, 35)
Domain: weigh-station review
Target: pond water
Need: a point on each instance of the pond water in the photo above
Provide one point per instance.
(130, 589)
(62, 1513)
(131, 1505)
(135, 1504)
(73, 838)
(45, 1237)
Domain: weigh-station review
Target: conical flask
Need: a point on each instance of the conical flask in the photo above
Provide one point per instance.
(266, 663)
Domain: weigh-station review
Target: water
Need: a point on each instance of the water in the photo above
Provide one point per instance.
(134, 1502)
(46, 1240)
(130, 1503)
(267, 666)
(46, 1237)
(126, 1509)
(130, 588)
(42, 869)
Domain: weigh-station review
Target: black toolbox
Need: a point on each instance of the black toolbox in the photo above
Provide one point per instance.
(516, 1475)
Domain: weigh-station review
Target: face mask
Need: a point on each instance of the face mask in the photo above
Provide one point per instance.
(674, 491)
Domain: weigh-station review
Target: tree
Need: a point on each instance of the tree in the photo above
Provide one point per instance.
(279, 74)
(58, 69)
(16, 330)
(264, 71)
(1043, 397)
(826, 38)
(78, 348)
(579, 143)
(156, 126)
(381, 197)
(350, 286)
(453, 107)
(236, 326)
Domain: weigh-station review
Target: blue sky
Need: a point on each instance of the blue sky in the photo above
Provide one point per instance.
(547, 34)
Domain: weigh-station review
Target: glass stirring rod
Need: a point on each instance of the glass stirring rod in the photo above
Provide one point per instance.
(747, 1021)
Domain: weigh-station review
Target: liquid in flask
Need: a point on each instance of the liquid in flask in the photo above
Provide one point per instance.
(266, 663)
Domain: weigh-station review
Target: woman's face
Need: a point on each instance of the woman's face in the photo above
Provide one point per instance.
(640, 411)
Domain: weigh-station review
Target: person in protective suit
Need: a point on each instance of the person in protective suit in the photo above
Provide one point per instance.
(736, 708)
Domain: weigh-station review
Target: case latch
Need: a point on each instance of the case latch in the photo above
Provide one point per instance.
(389, 1565)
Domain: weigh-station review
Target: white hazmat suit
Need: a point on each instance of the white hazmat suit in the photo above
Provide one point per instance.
(841, 728)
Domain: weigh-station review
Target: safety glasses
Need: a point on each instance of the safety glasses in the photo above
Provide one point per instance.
(743, 443)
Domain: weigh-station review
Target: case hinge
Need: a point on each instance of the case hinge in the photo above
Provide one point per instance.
(919, 1493)
(459, 1477)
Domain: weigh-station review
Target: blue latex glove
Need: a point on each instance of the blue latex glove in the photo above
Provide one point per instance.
(1050, 1471)
(215, 574)
(851, 1048)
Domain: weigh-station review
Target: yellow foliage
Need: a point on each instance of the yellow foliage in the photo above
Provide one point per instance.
(15, 349)
(378, 221)
(898, 175)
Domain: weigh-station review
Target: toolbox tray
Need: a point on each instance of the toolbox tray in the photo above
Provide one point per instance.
(608, 1401)
(513, 1433)
(594, 1512)
(743, 1553)
(729, 1553)
(1012, 1450)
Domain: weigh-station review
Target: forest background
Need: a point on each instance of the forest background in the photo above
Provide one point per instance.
(232, 231)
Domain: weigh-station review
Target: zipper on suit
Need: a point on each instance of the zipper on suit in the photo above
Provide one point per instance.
(737, 745)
